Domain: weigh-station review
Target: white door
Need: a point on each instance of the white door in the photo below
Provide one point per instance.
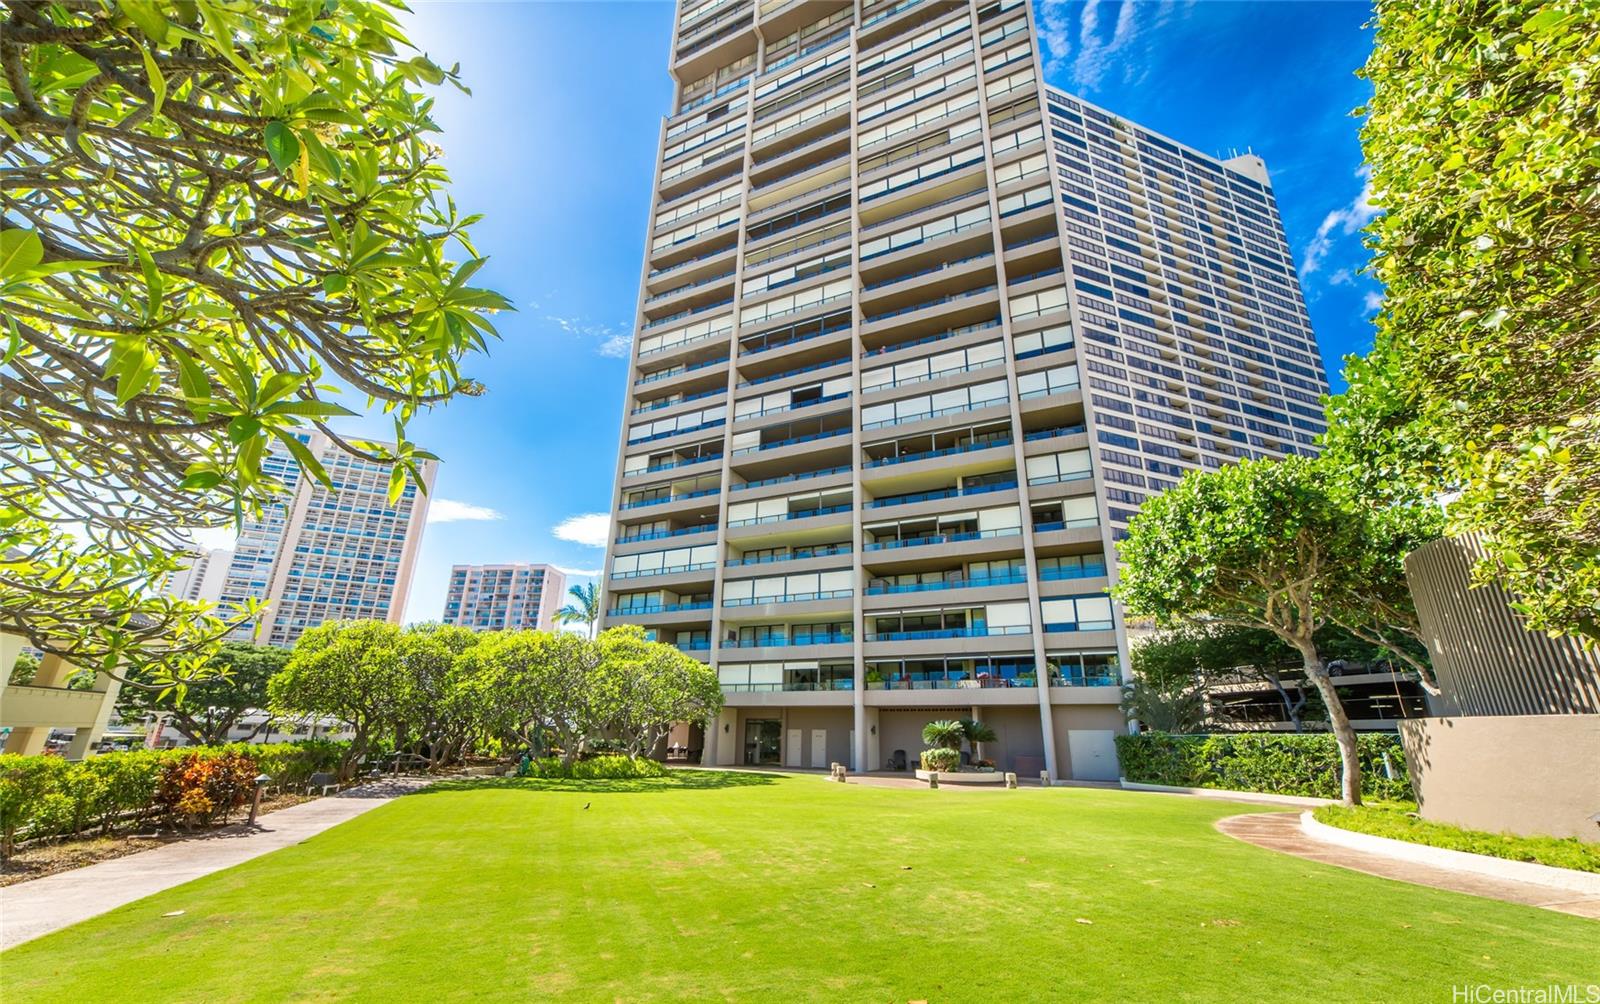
(1094, 754)
(819, 748)
(791, 748)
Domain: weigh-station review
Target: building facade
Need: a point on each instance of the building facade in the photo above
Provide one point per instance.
(322, 555)
(202, 576)
(504, 597)
(917, 334)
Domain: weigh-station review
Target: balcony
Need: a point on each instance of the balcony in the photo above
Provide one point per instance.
(943, 493)
(976, 582)
(942, 538)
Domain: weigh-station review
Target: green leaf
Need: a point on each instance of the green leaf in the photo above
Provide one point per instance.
(308, 461)
(282, 146)
(242, 428)
(200, 479)
(148, 18)
(333, 284)
(158, 83)
(1544, 21)
(19, 249)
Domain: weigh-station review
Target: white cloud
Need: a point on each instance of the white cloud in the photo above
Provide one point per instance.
(1344, 220)
(451, 511)
(211, 538)
(1373, 302)
(591, 529)
(1094, 55)
(579, 573)
(1341, 278)
(612, 340)
(1055, 34)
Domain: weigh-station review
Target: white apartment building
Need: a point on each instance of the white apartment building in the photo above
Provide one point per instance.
(319, 555)
(504, 597)
(202, 576)
(917, 334)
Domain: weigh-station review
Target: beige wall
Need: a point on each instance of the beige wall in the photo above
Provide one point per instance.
(1019, 734)
(1082, 717)
(1528, 774)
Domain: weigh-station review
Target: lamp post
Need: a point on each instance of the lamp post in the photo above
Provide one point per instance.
(255, 802)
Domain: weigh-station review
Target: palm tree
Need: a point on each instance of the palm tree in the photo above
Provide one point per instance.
(977, 732)
(947, 733)
(585, 611)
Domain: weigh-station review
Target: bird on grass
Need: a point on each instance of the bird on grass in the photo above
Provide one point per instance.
(586, 805)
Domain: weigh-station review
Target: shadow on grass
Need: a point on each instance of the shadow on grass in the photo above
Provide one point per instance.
(677, 780)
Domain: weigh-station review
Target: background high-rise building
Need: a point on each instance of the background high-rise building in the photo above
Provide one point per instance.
(917, 335)
(504, 597)
(201, 577)
(319, 555)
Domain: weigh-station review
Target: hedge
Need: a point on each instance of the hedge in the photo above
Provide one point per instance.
(1277, 763)
(608, 766)
(46, 796)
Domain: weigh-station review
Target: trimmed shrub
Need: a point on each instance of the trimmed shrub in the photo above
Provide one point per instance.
(941, 758)
(598, 768)
(204, 784)
(1275, 763)
(44, 796)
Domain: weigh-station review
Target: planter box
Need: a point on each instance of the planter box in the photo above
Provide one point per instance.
(965, 776)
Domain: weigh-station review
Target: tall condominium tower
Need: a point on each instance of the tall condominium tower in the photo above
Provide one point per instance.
(504, 597)
(201, 577)
(917, 334)
(321, 555)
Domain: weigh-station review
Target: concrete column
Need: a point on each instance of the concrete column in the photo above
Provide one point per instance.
(84, 740)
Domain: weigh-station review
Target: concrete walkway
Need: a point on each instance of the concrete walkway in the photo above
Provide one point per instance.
(29, 910)
(1280, 831)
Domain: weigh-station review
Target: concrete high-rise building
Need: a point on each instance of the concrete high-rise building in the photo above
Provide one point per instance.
(504, 597)
(917, 334)
(201, 577)
(320, 555)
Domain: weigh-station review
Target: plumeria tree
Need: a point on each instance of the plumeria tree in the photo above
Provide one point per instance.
(1270, 545)
(218, 216)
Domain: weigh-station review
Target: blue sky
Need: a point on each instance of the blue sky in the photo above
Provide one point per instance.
(563, 175)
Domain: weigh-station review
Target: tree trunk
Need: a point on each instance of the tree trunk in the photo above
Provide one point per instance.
(1343, 732)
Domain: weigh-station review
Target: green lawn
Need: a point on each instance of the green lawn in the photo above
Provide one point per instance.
(707, 886)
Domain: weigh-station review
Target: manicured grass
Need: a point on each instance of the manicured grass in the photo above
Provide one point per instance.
(706, 886)
(1391, 819)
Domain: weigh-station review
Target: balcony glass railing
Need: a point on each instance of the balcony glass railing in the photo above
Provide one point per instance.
(670, 498)
(664, 534)
(751, 601)
(935, 413)
(925, 304)
(784, 516)
(667, 374)
(932, 634)
(1063, 626)
(673, 464)
(786, 478)
(1072, 676)
(941, 538)
(975, 582)
(1071, 524)
(954, 681)
(825, 364)
(1053, 432)
(782, 642)
(642, 573)
(792, 441)
(797, 554)
(943, 493)
(1087, 570)
(658, 608)
(949, 451)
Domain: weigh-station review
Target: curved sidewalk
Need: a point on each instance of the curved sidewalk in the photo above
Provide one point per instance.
(1280, 831)
(30, 910)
